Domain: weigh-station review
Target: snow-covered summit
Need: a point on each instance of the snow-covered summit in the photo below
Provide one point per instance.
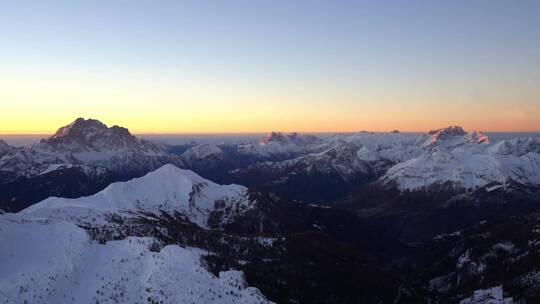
(168, 189)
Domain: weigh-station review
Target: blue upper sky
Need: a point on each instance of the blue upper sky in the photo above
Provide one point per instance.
(305, 65)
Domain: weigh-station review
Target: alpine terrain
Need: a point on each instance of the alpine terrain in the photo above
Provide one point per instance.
(93, 214)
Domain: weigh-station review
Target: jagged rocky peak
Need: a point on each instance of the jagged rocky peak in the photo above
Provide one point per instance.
(448, 132)
(92, 133)
(290, 138)
(453, 133)
(275, 137)
(478, 137)
(91, 143)
(79, 127)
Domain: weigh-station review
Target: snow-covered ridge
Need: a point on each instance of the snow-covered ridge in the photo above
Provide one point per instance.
(341, 159)
(288, 139)
(201, 152)
(516, 146)
(46, 257)
(466, 160)
(57, 262)
(448, 156)
(167, 189)
(282, 146)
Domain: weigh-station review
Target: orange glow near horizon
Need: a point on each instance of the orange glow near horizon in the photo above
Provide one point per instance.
(41, 102)
(143, 104)
(184, 67)
(259, 123)
(152, 114)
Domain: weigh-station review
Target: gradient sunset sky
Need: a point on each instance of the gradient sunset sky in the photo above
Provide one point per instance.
(256, 66)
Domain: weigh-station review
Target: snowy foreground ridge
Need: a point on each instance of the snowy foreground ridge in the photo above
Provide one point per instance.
(46, 257)
(168, 189)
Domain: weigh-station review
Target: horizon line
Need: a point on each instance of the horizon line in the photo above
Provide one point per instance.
(258, 132)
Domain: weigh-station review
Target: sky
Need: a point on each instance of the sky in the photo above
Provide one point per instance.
(256, 66)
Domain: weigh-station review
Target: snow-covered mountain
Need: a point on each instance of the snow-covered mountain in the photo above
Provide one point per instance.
(203, 157)
(57, 262)
(202, 152)
(392, 146)
(289, 139)
(517, 146)
(89, 143)
(382, 150)
(172, 234)
(280, 146)
(49, 255)
(456, 159)
(79, 159)
(174, 237)
(315, 177)
(450, 137)
(341, 160)
(215, 161)
(167, 189)
(449, 157)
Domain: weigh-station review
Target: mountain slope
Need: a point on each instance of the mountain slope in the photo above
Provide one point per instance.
(79, 159)
(315, 177)
(59, 263)
(52, 253)
(167, 189)
(169, 227)
(501, 255)
(278, 146)
(459, 160)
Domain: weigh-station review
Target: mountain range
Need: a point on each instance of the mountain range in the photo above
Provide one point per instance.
(93, 214)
